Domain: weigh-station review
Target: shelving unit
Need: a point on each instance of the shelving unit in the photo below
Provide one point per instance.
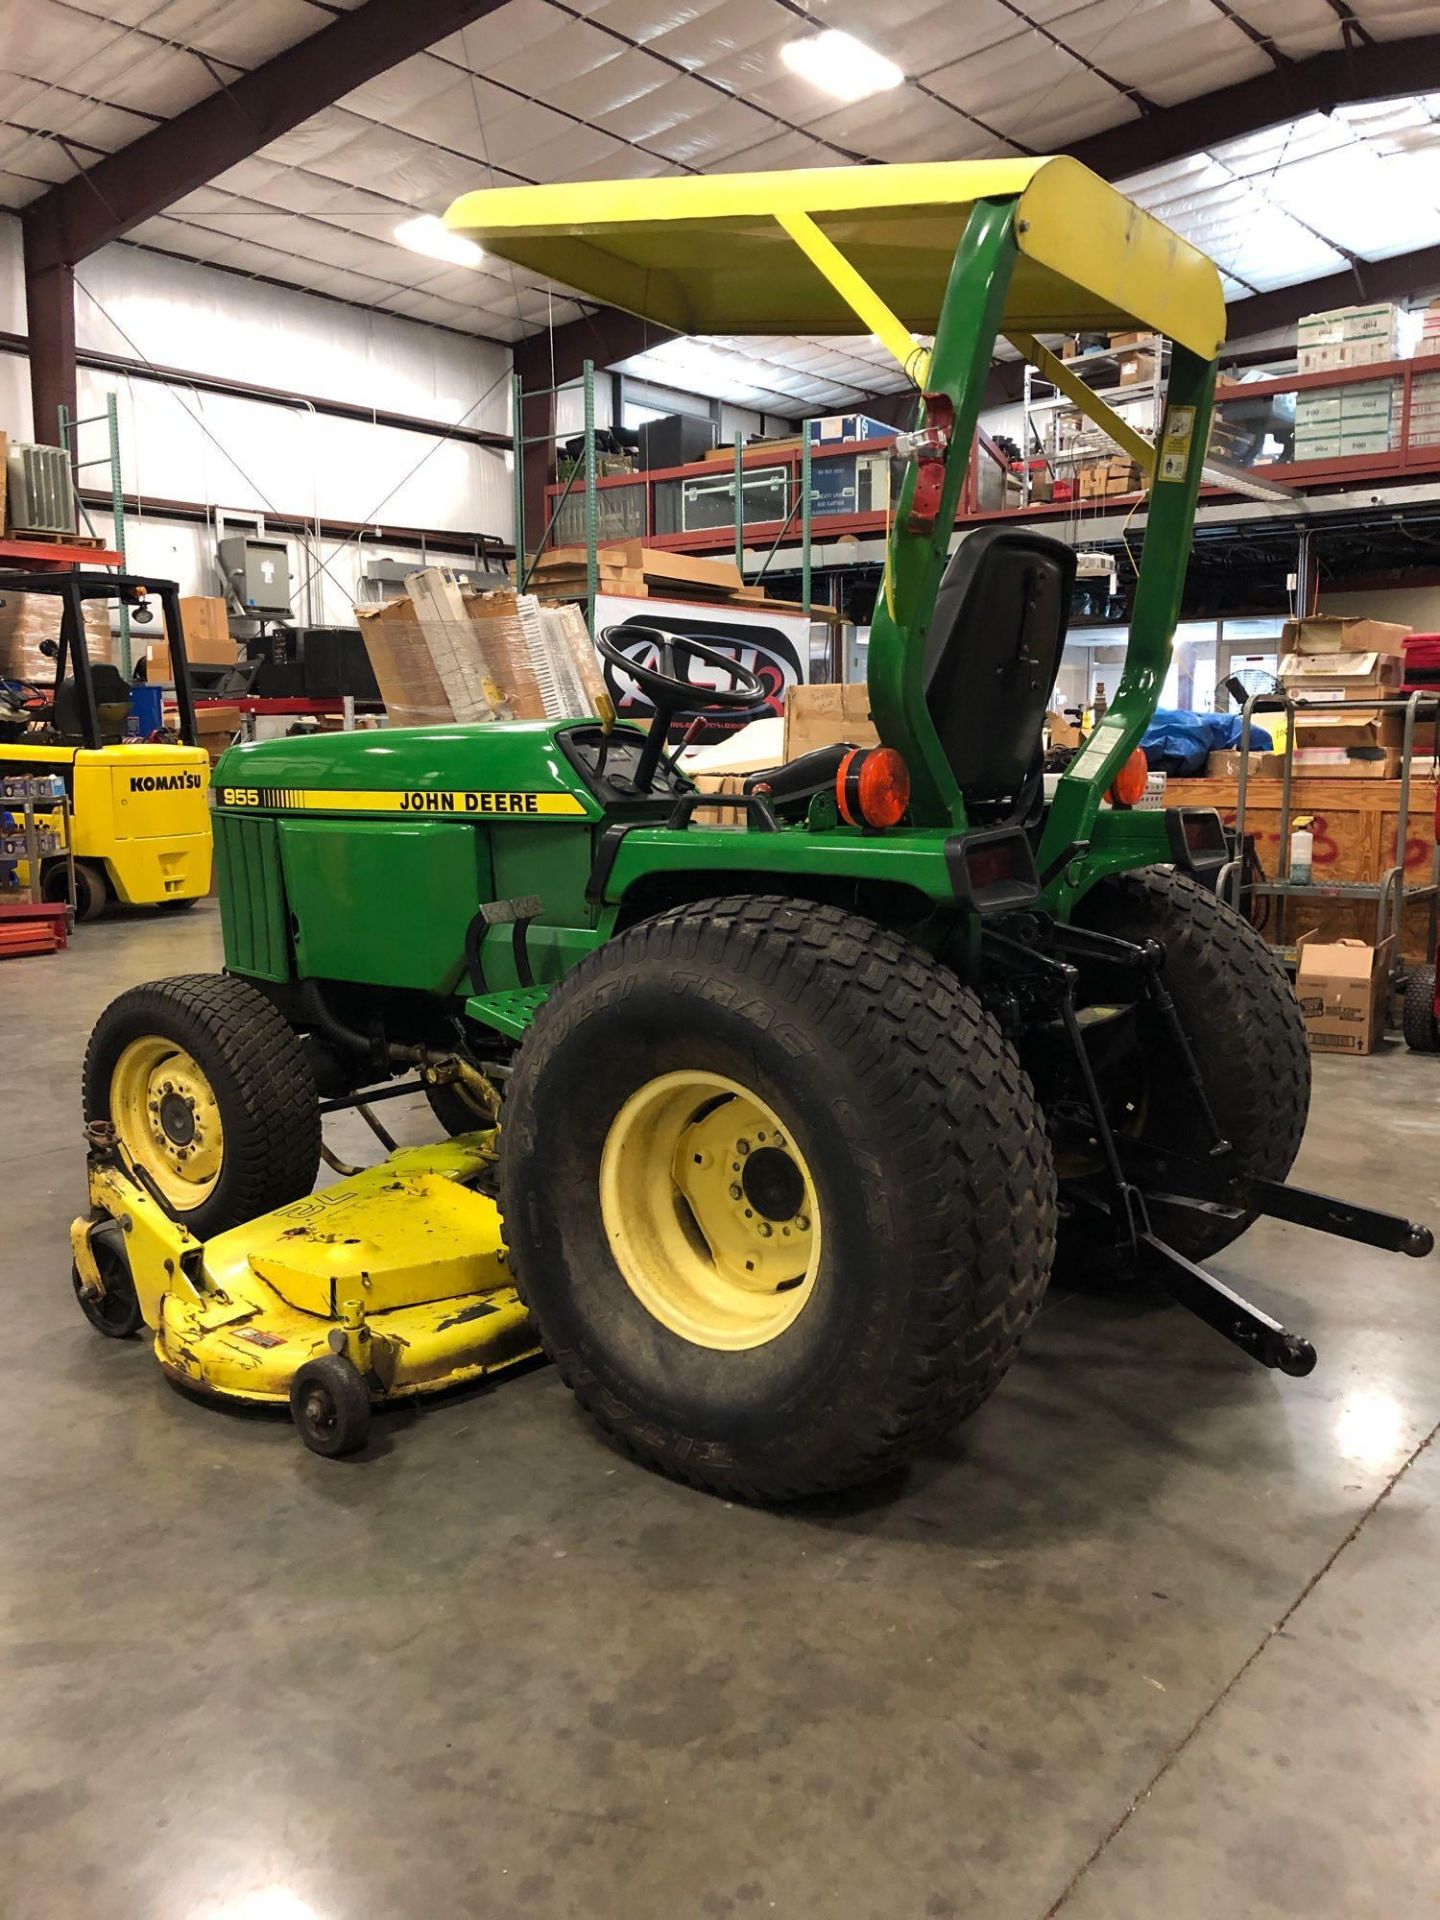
(110, 460)
(1049, 409)
(1388, 892)
(34, 853)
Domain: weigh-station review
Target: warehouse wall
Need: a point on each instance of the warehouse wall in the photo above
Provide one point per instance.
(1417, 607)
(252, 456)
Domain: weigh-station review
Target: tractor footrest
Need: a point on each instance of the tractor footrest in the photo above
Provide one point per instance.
(509, 1012)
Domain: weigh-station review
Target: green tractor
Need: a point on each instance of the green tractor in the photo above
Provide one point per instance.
(799, 1110)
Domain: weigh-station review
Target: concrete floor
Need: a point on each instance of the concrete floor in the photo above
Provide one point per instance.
(1154, 1636)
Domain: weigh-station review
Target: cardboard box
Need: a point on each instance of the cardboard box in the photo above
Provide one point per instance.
(822, 716)
(1137, 369)
(1092, 481)
(216, 728)
(1060, 731)
(1350, 727)
(1322, 679)
(1364, 408)
(632, 560)
(1338, 326)
(1342, 633)
(208, 639)
(1342, 986)
(836, 428)
(1262, 766)
(206, 627)
(410, 685)
(1118, 340)
(1345, 763)
(1344, 444)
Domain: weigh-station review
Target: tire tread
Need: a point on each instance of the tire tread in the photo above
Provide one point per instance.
(977, 1200)
(276, 1141)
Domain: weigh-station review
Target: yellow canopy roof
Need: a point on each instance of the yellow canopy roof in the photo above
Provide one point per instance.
(708, 254)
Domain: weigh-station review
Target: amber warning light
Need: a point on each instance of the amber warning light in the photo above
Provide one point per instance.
(872, 787)
(1128, 787)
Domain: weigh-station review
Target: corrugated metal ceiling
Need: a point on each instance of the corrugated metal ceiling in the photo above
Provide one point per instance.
(586, 89)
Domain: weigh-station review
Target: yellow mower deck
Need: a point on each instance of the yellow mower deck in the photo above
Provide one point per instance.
(400, 1269)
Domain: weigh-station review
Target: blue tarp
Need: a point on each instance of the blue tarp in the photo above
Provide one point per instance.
(1177, 742)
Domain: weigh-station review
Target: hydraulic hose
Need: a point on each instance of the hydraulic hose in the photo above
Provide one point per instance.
(381, 1052)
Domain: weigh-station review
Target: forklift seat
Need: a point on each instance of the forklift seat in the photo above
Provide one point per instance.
(991, 657)
(111, 691)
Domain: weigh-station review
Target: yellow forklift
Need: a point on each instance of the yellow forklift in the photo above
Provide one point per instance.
(139, 813)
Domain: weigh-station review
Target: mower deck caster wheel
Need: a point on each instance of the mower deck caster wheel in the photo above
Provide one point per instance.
(330, 1405)
(116, 1312)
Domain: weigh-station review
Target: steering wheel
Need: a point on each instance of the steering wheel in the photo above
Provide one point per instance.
(669, 690)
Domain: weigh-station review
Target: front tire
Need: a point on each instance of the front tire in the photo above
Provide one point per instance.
(116, 1312)
(330, 1405)
(210, 1092)
(1417, 1017)
(1245, 1029)
(777, 1193)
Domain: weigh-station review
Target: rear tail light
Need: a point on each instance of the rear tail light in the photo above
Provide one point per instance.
(872, 787)
(1128, 787)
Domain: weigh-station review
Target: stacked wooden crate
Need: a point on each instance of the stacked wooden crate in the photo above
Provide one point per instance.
(632, 571)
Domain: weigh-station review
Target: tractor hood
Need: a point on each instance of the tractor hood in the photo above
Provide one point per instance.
(503, 770)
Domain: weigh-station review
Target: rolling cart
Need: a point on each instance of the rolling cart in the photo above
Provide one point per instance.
(1389, 893)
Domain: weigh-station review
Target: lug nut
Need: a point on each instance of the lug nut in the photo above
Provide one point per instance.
(802, 1221)
(742, 1146)
(766, 1230)
(734, 1192)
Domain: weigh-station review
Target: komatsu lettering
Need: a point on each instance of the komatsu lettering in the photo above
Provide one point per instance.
(165, 782)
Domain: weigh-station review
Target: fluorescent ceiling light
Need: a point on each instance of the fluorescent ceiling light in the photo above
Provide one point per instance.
(841, 65)
(428, 234)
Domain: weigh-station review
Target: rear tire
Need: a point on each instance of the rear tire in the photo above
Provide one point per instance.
(1417, 1017)
(208, 1059)
(884, 1099)
(1245, 1029)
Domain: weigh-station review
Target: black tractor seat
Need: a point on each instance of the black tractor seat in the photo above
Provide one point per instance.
(991, 658)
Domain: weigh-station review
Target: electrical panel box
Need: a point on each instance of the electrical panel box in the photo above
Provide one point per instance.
(257, 573)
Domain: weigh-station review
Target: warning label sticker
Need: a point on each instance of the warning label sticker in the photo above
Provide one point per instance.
(1175, 444)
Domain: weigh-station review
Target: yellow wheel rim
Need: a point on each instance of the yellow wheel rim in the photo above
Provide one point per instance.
(710, 1211)
(164, 1110)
